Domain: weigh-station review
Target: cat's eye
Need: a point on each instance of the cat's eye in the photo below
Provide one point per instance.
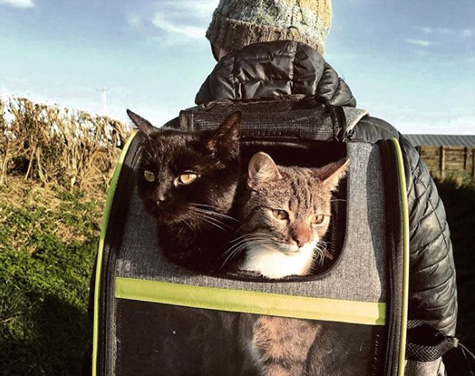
(318, 219)
(280, 214)
(187, 178)
(149, 176)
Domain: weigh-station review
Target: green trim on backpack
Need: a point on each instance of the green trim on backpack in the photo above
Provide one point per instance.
(302, 307)
(104, 225)
(405, 282)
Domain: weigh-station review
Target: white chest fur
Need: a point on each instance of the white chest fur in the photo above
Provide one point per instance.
(272, 263)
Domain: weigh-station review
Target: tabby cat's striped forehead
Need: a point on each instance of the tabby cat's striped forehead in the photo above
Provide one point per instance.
(298, 190)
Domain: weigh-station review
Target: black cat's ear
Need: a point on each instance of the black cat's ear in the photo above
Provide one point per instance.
(262, 168)
(227, 137)
(332, 173)
(143, 125)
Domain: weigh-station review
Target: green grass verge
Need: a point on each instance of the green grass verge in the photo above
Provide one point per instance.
(48, 241)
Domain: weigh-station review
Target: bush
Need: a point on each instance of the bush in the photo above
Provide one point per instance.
(458, 195)
(69, 148)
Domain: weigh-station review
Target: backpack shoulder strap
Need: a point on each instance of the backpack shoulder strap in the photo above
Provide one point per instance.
(353, 116)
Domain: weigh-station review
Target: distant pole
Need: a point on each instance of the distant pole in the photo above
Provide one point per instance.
(104, 99)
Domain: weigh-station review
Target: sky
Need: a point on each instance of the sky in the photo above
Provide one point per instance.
(410, 62)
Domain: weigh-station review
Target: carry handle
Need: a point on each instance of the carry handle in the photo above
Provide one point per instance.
(271, 120)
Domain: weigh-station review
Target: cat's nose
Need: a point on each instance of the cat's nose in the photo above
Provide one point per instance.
(300, 242)
(160, 199)
(300, 236)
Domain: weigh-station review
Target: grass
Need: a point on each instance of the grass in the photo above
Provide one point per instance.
(48, 240)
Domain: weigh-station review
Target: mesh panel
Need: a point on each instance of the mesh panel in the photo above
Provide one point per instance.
(425, 343)
(305, 119)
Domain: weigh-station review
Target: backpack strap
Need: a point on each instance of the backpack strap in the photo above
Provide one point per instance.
(353, 116)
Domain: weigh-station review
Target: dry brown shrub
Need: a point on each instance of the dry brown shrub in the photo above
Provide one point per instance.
(70, 148)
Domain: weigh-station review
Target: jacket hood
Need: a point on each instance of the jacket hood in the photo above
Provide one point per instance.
(274, 69)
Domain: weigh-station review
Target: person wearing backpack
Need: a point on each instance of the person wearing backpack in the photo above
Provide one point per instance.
(272, 49)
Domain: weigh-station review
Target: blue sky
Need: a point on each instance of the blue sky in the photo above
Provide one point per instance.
(409, 62)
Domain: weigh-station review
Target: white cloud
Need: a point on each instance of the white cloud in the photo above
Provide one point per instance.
(420, 42)
(466, 33)
(462, 33)
(178, 22)
(160, 21)
(201, 8)
(18, 3)
(135, 20)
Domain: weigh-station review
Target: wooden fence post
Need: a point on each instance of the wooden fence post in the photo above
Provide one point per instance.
(465, 157)
(473, 163)
(442, 161)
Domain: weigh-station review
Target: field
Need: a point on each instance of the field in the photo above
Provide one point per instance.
(48, 240)
(49, 231)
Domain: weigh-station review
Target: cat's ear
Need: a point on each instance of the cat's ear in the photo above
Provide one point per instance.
(262, 168)
(143, 125)
(227, 137)
(332, 173)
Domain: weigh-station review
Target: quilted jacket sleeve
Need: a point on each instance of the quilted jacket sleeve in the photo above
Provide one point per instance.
(432, 281)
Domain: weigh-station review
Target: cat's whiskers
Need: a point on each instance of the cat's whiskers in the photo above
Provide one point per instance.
(263, 234)
(250, 240)
(200, 207)
(189, 225)
(203, 215)
(148, 153)
(214, 221)
(210, 220)
(320, 249)
(338, 200)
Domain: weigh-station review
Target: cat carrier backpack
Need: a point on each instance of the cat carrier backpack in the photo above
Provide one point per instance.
(152, 317)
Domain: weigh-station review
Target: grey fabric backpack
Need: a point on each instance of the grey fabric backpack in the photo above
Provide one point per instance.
(155, 318)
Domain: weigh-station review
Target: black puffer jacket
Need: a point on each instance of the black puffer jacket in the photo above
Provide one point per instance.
(267, 70)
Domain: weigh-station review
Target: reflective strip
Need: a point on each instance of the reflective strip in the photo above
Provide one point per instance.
(301, 307)
(100, 251)
(405, 282)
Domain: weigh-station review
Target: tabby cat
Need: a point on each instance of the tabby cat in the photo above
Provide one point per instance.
(285, 216)
(187, 181)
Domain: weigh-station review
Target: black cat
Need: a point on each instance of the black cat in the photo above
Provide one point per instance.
(187, 181)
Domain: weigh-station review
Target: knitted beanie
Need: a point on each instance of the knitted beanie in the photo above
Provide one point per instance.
(238, 23)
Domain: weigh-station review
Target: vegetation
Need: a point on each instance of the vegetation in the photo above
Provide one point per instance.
(54, 171)
(72, 149)
(55, 166)
(458, 194)
(48, 240)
